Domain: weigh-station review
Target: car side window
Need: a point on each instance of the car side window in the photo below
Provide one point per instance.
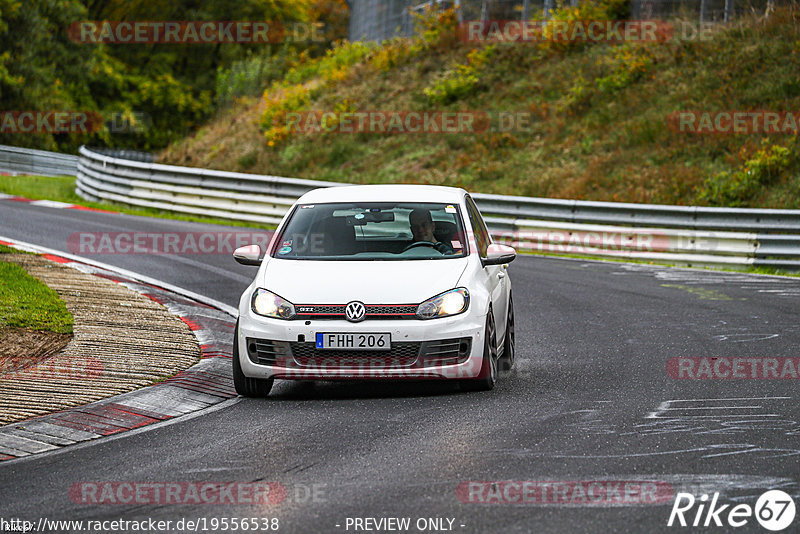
(478, 227)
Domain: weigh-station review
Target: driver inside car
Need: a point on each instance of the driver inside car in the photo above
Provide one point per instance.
(422, 229)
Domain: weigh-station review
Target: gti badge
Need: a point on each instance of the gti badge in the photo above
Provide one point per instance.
(355, 311)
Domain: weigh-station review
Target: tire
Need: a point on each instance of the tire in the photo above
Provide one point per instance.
(506, 362)
(246, 386)
(488, 374)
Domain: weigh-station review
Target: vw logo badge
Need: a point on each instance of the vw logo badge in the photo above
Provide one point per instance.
(355, 311)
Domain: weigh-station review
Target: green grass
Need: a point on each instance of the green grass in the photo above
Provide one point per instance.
(62, 189)
(768, 271)
(25, 302)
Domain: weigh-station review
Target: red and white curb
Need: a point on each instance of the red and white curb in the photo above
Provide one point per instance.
(51, 204)
(203, 385)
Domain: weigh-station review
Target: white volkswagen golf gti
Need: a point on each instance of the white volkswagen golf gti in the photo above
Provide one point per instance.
(376, 282)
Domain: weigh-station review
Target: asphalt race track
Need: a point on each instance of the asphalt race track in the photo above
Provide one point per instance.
(590, 402)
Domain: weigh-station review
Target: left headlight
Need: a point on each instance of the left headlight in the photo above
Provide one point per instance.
(446, 304)
(269, 304)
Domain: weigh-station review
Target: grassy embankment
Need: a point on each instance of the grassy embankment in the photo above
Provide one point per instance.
(34, 321)
(600, 129)
(25, 302)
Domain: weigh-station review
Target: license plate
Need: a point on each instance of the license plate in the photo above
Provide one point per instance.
(332, 340)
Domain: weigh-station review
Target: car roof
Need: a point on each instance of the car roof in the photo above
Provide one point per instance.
(384, 193)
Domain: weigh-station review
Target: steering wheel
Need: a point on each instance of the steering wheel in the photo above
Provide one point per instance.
(422, 244)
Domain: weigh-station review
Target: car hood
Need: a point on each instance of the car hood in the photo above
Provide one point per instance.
(371, 282)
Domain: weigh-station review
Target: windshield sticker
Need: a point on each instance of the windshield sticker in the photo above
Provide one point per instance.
(450, 209)
(306, 206)
(359, 215)
(285, 250)
(287, 243)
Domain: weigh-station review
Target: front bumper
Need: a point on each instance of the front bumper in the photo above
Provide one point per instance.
(414, 346)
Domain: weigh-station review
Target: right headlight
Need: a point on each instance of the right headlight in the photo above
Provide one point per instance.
(446, 304)
(269, 304)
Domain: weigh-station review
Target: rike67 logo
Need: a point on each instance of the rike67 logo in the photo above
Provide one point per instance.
(774, 510)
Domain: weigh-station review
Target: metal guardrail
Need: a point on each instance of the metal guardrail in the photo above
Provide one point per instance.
(686, 217)
(131, 155)
(227, 195)
(675, 234)
(37, 162)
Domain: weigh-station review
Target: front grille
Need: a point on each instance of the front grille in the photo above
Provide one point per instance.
(402, 354)
(445, 352)
(268, 352)
(377, 309)
(373, 311)
(321, 310)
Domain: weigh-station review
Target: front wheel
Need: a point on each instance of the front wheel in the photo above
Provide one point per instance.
(488, 375)
(244, 385)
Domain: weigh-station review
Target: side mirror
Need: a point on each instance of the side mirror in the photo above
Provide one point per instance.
(499, 254)
(248, 255)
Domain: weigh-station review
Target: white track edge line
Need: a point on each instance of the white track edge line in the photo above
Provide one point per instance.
(128, 433)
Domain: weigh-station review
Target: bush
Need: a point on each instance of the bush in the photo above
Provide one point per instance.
(586, 10)
(435, 29)
(461, 81)
(333, 66)
(250, 76)
(628, 65)
(279, 104)
(577, 97)
(391, 54)
(295, 92)
(738, 187)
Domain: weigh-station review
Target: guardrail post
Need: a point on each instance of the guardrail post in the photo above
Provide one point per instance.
(548, 7)
(729, 9)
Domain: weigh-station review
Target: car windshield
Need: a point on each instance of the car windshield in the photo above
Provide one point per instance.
(372, 231)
